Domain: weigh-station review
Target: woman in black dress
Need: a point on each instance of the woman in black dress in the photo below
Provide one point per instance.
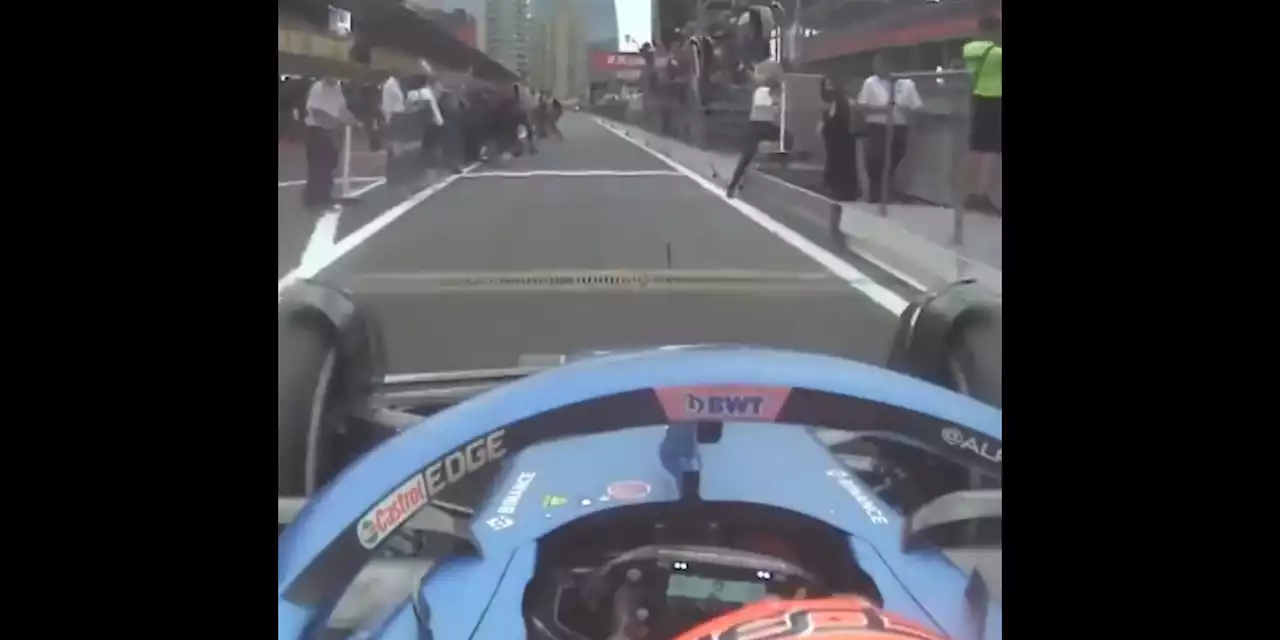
(840, 175)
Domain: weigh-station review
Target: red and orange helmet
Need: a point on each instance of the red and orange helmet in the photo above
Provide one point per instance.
(835, 618)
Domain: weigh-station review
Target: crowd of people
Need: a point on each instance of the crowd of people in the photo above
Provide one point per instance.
(880, 115)
(424, 126)
(704, 66)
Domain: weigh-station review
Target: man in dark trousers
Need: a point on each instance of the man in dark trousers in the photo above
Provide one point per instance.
(553, 124)
(450, 134)
(424, 98)
(526, 104)
(475, 124)
(326, 114)
(887, 104)
(507, 119)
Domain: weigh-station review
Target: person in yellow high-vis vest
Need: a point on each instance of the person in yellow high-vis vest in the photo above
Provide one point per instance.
(984, 57)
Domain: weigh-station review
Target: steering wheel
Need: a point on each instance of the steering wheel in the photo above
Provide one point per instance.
(331, 540)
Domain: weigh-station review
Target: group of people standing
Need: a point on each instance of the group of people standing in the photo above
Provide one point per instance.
(879, 116)
(423, 126)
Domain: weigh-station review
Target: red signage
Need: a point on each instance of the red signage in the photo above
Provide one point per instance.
(616, 61)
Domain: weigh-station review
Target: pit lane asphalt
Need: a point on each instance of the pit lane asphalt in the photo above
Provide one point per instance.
(485, 222)
(295, 224)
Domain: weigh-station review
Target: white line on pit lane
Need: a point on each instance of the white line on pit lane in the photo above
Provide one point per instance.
(845, 271)
(326, 231)
(299, 183)
(569, 174)
(355, 238)
(888, 268)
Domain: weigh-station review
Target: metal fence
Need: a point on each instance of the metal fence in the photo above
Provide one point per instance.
(935, 169)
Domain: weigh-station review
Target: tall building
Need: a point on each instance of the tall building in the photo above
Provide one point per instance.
(559, 49)
(600, 20)
(508, 30)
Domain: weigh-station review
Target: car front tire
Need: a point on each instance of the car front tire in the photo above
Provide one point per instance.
(307, 362)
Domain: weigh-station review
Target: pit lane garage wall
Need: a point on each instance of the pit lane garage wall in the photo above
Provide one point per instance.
(916, 35)
(303, 49)
(922, 42)
(390, 40)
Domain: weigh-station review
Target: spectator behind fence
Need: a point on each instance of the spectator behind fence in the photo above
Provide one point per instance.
(326, 114)
(839, 137)
(874, 100)
(765, 111)
(985, 60)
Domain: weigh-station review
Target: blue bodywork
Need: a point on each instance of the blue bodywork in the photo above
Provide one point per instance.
(481, 596)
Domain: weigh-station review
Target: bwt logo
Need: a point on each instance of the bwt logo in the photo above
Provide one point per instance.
(724, 405)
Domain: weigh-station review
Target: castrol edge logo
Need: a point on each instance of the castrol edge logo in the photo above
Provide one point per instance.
(393, 511)
(412, 496)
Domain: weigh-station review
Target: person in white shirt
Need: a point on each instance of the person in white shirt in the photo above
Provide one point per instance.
(392, 98)
(766, 103)
(394, 108)
(326, 115)
(424, 98)
(874, 101)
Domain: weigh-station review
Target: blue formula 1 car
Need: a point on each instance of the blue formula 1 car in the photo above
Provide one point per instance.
(674, 493)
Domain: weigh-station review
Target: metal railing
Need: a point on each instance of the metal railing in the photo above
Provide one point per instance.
(945, 95)
(295, 137)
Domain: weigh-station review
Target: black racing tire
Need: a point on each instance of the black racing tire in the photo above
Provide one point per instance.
(307, 364)
(975, 359)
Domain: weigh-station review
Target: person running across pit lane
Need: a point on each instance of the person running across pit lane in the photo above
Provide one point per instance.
(766, 102)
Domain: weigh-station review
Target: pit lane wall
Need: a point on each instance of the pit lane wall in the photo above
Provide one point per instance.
(918, 244)
(936, 148)
(308, 50)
